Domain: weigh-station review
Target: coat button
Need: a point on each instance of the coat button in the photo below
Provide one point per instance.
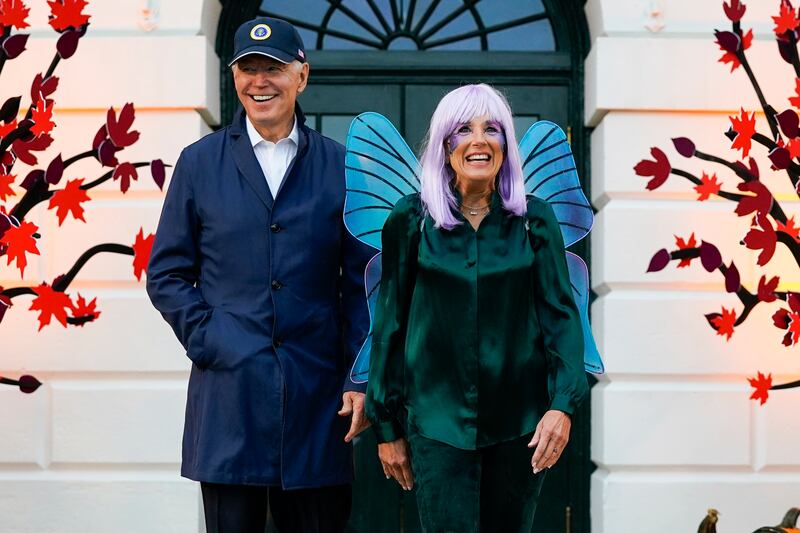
(275, 228)
(278, 343)
(277, 285)
(470, 263)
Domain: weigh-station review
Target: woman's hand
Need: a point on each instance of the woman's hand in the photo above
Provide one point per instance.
(549, 439)
(396, 462)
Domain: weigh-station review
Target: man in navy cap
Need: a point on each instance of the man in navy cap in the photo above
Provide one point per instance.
(253, 269)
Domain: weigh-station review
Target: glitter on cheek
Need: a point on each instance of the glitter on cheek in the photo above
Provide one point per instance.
(456, 139)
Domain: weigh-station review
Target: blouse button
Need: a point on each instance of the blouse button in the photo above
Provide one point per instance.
(470, 263)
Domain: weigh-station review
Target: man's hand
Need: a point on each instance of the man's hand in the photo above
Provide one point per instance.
(396, 462)
(550, 439)
(353, 404)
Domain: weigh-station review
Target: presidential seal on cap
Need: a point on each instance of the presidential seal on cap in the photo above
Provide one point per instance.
(268, 37)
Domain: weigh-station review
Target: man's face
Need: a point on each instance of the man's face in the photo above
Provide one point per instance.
(268, 89)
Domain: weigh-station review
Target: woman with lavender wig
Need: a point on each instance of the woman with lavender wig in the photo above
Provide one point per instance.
(477, 354)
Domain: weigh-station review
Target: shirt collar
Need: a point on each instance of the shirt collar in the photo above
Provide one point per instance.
(256, 137)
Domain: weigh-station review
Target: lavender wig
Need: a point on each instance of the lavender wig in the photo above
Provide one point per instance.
(456, 108)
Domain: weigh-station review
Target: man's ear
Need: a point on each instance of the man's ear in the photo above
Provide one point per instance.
(303, 74)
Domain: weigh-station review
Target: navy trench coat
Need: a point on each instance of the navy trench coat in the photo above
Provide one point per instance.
(267, 297)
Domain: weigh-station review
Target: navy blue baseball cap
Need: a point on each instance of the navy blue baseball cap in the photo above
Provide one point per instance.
(269, 37)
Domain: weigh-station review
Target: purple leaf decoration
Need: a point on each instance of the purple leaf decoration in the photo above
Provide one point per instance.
(15, 45)
(32, 178)
(728, 41)
(684, 146)
(789, 123)
(10, 109)
(785, 48)
(3, 308)
(711, 317)
(732, 279)
(26, 126)
(157, 170)
(68, 43)
(28, 384)
(5, 223)
(659, 261)
(99, 137)
(54, 171)
(710, 256)
(780, 157)
(105, 153)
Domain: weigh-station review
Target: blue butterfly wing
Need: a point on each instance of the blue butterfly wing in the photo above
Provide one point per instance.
(548, 168)
(380, 169)
(579, 278)
(372, 281)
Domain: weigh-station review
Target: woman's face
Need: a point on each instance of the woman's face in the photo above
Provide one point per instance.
(476, 150)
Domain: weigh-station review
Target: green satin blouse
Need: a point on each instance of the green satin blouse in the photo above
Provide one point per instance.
(476, 333)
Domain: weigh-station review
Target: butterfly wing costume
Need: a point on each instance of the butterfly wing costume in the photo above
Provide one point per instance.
(380, 169)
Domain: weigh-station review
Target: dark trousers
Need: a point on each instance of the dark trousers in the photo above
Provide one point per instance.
(491, 489)
(243, 508)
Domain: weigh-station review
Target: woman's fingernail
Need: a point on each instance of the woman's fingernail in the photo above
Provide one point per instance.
(536, 470)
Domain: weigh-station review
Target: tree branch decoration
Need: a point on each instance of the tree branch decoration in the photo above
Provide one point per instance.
(21, 137)
(769, 225)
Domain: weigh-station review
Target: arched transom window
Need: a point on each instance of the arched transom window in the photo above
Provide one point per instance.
(518, 25)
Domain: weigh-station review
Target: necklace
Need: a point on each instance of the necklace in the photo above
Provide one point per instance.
(475, 210)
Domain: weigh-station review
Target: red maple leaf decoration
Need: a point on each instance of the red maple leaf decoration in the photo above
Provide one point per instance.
(5, 186)
(125, 172)
(85, 310)
(760, 203)
(141, 253)
(22, 149)
(795, 100)
(50, 303)
(709, 186)
(13, 13)
(67, 13)
(762, 237)
(8, 127)
(766, 289)
(118, 130)
(42, 115)
(745, 127)
(724, 323)
(789, 228)
(734, 11)
(69, 199)
(691, 242)
(733, 59)
(19, 240)
(659, 168)
(787, 19)
(761, 385)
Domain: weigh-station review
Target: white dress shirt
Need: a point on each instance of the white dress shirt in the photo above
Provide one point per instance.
(274, 158)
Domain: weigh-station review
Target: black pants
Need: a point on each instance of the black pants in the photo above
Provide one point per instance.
(491, 490)
(243, 508)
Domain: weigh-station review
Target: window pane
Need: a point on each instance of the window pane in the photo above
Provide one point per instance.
(522, 123)
(336, 126)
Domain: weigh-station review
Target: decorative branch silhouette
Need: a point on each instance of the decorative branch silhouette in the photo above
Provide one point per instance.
(770, 224)
(19, 142)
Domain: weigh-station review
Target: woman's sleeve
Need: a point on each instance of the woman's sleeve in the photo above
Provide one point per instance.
(557, 312)
(387, 357)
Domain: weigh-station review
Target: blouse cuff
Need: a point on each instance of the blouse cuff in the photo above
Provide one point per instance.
(388, 431)
(563, 403)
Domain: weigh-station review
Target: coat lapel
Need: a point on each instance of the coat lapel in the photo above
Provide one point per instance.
(246, 161)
